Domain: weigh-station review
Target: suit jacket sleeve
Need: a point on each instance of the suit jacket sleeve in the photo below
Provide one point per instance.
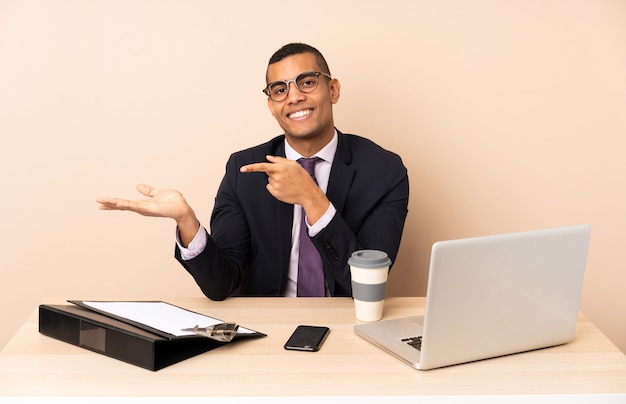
(219, 271)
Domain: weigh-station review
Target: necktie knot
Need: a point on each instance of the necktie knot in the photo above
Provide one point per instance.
(309, 164)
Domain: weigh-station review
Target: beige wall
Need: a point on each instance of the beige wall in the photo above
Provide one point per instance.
(510, 116)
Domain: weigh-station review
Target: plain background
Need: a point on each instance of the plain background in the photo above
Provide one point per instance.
(510, 116)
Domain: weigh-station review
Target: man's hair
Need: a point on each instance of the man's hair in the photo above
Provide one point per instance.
(295, 49)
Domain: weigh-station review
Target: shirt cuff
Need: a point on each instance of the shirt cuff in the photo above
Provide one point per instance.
(194, 248)
(322, 222)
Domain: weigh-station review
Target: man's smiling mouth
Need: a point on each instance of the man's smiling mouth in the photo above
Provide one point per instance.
(300, 114)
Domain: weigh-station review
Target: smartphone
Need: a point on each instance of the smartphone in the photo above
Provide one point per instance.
(307, 338)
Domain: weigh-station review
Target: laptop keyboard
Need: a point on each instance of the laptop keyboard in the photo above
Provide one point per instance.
(415, 342)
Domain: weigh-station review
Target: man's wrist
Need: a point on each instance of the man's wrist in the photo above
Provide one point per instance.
(188, 226)
(323, 221)
(316, 209)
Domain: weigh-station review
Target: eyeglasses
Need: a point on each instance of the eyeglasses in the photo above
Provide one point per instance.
(305, 83)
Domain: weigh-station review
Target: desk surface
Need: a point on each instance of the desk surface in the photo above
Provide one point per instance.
(35, 365)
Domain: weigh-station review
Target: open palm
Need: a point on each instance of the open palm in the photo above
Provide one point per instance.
(160, 203)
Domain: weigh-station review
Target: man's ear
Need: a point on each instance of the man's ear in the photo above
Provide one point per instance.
(335, 90)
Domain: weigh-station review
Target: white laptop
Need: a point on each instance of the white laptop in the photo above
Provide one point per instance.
(492, 296)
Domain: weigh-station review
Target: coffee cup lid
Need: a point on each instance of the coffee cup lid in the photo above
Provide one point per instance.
(369, 259)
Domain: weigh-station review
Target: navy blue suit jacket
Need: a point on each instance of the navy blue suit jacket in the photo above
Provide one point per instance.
(248, 251)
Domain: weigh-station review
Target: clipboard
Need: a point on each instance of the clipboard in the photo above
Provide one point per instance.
(127, 340)
(158, 317)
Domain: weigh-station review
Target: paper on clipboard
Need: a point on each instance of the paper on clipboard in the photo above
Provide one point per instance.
(157, 315)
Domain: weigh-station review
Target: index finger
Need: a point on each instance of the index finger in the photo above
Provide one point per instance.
(272, 166)
(257, 168)
(263, 167)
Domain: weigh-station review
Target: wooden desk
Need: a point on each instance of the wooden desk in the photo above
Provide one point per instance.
(35, 365)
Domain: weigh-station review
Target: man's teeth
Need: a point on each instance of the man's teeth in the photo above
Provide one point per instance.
(300, 114)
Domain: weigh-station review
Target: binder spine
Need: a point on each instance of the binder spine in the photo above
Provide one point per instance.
(97, 337)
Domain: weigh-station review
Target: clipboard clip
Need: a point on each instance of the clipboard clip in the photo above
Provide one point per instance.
(223, 332)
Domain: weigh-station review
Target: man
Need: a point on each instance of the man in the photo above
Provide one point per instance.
(355, 198)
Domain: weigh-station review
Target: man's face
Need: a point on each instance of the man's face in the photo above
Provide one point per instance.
(303, 116)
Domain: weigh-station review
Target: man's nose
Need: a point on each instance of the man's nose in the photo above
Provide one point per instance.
(294, 93)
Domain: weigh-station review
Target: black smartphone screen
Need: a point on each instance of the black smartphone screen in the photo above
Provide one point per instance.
(307, 338)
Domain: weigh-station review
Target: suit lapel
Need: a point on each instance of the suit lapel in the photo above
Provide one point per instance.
(341, 174)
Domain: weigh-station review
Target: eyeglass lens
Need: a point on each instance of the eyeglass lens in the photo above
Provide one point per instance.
(305, 82)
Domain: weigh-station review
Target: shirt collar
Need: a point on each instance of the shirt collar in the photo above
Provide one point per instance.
(327, 153)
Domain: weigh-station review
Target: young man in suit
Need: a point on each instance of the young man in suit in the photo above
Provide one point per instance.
(355, 197)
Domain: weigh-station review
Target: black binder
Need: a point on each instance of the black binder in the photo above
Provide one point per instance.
(117, 339)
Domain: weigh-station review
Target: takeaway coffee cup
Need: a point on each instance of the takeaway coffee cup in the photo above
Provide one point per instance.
(369, 269)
